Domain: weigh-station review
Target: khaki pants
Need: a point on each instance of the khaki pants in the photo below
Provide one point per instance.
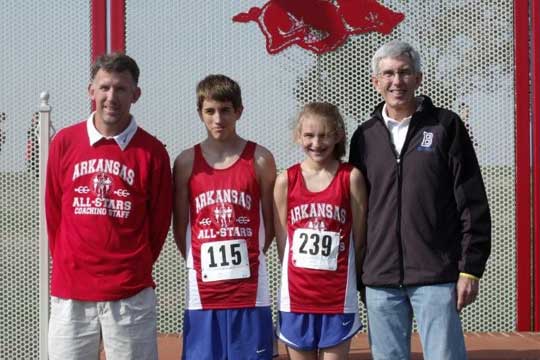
(127, 327)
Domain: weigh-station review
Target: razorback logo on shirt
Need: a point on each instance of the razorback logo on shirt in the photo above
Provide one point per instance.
(103, 193)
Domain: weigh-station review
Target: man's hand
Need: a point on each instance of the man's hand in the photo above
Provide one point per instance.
(467, 291)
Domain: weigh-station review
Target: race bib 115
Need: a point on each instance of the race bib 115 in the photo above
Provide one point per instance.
(224, 260)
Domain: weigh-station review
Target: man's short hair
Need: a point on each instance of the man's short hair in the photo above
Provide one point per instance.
(115, 62)
(393, 49)
(219, 88)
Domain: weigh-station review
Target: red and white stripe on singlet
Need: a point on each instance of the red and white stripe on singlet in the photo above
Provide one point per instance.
(308, 290)
(225, 207)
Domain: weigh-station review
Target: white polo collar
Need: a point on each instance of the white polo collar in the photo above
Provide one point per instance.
(388, 121)
(121, 139)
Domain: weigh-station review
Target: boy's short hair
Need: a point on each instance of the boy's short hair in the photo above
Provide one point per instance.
(219, 88)
(115, 62)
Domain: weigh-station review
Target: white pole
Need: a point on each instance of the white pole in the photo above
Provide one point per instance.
(44, 126)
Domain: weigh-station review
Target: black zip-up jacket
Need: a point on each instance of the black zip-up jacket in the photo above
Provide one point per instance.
(428, 214)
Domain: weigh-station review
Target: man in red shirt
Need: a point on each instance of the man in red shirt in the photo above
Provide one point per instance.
(108, 207)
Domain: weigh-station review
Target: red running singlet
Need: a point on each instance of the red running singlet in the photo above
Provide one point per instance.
(318, 272)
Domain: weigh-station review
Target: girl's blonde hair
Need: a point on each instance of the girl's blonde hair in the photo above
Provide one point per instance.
(334, 123)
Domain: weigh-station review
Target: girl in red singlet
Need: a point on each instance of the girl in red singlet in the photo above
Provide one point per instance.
(319, 209)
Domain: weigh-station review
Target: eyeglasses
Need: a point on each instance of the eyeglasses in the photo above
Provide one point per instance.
(404, 74)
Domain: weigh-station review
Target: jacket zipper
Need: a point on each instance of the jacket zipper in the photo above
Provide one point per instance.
(398, 217)
(400, 247)
(399, 166)
(399, 170)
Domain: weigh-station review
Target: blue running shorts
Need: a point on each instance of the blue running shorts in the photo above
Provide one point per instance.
(228, 334)
(308, 332)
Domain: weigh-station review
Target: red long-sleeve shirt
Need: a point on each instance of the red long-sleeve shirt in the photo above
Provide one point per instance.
(108, 212)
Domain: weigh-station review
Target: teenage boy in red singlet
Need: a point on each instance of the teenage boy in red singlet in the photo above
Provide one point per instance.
(222, 227)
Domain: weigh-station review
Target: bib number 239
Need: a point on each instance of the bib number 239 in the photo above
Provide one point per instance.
(224, 260)
(315, 249)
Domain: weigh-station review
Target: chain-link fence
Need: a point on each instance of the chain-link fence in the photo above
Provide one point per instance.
(468, 67)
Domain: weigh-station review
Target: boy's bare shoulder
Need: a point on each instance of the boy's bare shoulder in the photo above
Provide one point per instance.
(263, 154)
(185, 159)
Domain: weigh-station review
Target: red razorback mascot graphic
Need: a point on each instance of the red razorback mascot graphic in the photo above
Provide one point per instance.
(318, 25)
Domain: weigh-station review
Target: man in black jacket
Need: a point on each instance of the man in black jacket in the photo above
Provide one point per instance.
(429, 227)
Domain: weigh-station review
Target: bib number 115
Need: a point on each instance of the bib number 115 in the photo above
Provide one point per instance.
(224, 260)
(228, 255)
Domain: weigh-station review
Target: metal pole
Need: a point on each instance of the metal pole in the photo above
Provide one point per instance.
(523, 166)
(535, 45)
(44, 126)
